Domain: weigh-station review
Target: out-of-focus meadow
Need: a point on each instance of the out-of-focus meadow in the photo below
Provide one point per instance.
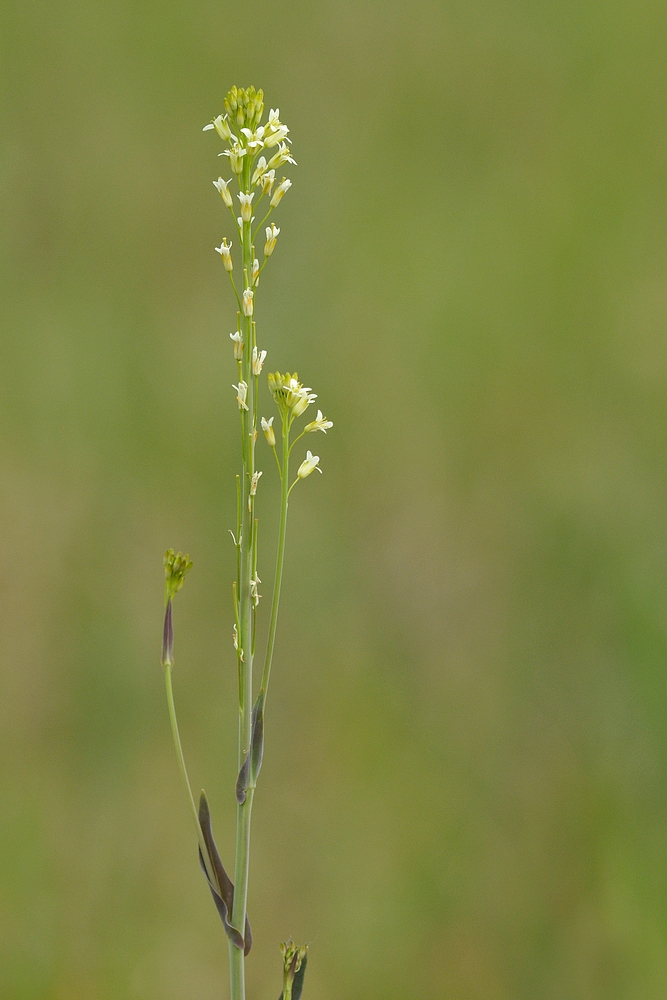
(465, 780)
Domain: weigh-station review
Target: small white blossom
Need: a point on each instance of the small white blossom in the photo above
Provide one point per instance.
(257, 360)
(319, 424)
(259, 170)
(221, 126)
(241, 393)
(282, 156)
(255, 272)
(268, 180)
(247, 302)
(223, 188)
(308, 464)
(284, 186)
(237, 339)
(254, 139)
(253, 483)
(225, 252)
(268, 431)
(271, 237)
(246, 205)
(235, 154)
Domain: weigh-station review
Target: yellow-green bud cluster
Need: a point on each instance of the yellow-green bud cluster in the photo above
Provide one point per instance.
(292, 398)
(294, 961)
(175, 568)
(245, 107)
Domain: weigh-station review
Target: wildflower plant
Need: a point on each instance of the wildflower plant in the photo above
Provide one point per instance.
(256, 151)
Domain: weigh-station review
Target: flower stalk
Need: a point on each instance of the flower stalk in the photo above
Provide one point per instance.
(248, 140)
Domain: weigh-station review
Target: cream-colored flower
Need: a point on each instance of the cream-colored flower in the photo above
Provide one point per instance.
(282, 156)
(247, 303)
(241, 394)
(257, 360)
(320, 423)
(237, 340)
(235, 154)
(269, 433)
(255, 273)
(225, 252)
(223, 188)
(309, 463)
(253, 483)
(254, 139)
(221, 126)
(246, 205)
(259, 170)
(284, 186)
(268, 180)
(271, 237)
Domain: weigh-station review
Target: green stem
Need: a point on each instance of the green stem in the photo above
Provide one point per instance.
(243, 813)
(184, 772)
(280, 559)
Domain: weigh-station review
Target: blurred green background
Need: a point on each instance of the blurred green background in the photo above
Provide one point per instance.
(465, 780)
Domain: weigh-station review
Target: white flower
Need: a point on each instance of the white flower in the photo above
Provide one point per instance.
(253, 483)
(308, 464)
(246, 205)
(237, 339)
(284, 186)
(241, 393)
(319, 424)
(223, 188)
(254, 138)
(259, 170)
(268, 180)
(257, 360)
(255, 272)
(224, 251)
(282, 156)
(235, 154)
(268, 431)
(274, 118)
(271, 237)
(221, 126)
(247, 302)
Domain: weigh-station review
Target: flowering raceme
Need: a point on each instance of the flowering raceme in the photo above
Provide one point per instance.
(255, 149)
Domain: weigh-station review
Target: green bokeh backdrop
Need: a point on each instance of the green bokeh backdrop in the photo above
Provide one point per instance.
(465, 780)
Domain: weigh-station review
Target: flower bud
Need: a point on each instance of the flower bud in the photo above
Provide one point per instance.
(247, 302)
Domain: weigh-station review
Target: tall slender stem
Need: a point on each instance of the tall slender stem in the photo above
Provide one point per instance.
(280, 559)
(244, 810)
(184, 771)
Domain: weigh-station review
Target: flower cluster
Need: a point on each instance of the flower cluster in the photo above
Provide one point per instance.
(175, 568)
(241, 127)
(292, 398)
